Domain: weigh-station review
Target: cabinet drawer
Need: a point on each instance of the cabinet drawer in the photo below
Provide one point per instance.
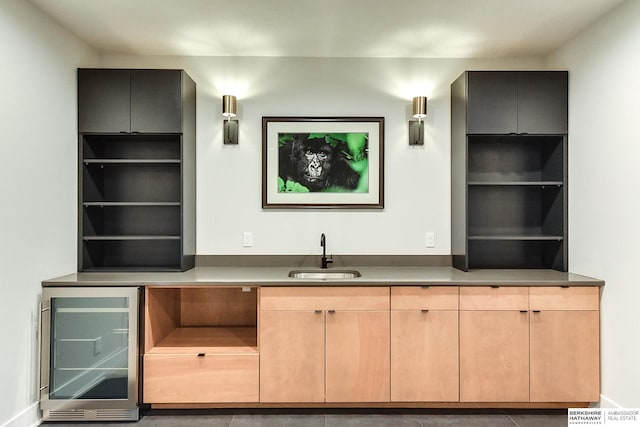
(558, 298)
(494, 298)
(207, 379)
(424, 298)
(325, 298)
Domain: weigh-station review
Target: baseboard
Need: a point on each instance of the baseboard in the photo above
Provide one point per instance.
(607, 403)
(30, 417)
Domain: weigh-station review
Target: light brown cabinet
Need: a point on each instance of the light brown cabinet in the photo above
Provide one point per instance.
(200, 345)
(538, 344)
(424, 344)
(565, 344)
(357, 356)
(292, 356)
(396, 346)
(494, 344)
(324, 344)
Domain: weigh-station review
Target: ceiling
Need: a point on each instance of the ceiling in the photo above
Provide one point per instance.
(327, 28)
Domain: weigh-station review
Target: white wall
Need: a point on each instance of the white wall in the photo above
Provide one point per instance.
(37, 186)
(417, 179)
(604, 193)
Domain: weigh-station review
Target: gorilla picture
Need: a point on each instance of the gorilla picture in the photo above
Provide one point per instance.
(323, 162)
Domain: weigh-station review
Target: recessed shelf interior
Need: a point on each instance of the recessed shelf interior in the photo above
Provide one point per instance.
(131, 220)
(131, 147)
(140, 254)
(201, 320)
(515, 210)
(516, 254)
(126, 182)
(515, 158)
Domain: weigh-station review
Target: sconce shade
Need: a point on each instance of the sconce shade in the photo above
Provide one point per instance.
(229, 106)
(420, 107)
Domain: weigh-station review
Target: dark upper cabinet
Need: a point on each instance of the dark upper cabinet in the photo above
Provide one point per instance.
(103, 100)
(492, 102)
(156, 101)
(543, 102)
(117, 101)
(504, 102)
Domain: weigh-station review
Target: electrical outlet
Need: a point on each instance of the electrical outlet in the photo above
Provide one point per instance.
(430, 239)
(97, 346)
(247, 239)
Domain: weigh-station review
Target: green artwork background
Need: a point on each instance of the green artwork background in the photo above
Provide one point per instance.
(354, 148)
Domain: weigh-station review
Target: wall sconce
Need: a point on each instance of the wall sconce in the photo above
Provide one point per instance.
(230, 126)
(416, 127)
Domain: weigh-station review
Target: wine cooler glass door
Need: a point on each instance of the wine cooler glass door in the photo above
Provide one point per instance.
(92, 337)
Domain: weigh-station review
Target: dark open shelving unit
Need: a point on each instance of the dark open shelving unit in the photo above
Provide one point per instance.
(136, 189)
(509, 190)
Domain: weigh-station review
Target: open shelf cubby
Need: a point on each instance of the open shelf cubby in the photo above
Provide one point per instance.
(131, 220)
(515, 159)
(201, 320)
(131, 147)
(528, 211)
(129, 182)
(516, 253)
(136, 253)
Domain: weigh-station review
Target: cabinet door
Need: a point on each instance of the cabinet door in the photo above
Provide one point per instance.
(103, 100)
(424, 356)
(543, 102)
(565, 362)
(156, 102)
(492, 102)
(494, 356)
(357, 356)
(291, 356)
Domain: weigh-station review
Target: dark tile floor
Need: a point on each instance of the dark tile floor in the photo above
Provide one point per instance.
(417, 418)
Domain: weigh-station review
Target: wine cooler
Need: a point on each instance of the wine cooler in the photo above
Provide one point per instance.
(89, 347)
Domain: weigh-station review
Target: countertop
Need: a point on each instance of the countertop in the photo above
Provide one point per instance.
(370, 276)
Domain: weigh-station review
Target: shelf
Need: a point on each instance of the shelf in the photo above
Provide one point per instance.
(133, 204)
(515, 237)
(208, 340)
(90, 310)
(90, 369)
(139, 237)
(123, 161)
(518, 183)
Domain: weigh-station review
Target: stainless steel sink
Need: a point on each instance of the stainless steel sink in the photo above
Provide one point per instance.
(324, 274)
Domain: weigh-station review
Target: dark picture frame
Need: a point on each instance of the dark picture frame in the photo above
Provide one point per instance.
(323, 162)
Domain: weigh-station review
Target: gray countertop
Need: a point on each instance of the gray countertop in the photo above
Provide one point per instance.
(370, 276)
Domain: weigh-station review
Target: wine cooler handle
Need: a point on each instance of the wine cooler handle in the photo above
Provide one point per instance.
(41, 314)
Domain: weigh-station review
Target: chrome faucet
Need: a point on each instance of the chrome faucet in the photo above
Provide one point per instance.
(325, 261)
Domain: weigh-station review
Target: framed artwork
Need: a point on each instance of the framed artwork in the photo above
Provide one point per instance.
(323, 162)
